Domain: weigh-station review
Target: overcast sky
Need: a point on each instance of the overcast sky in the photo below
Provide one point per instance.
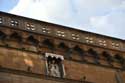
(105, 17)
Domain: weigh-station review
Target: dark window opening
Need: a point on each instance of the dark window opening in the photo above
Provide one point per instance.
(32, 40)
(66, 49)
(63, 46)
(94, 54)
(49, 44)
(108, 57)
(120, 59)
(79, 50)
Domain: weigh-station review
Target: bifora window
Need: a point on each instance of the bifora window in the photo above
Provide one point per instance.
(54, 65)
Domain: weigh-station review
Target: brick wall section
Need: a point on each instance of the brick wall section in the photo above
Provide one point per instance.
(13, 78)
(20, 60)
(93, 73)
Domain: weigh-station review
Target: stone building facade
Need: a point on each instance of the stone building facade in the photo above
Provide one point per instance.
(33, 51)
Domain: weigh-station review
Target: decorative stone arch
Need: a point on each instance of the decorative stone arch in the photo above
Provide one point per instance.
(78, 53)
(120, 59)
(48, 43)
(79, 50)
(62, 45)
(16, 36)
(32, 40)
(93, 53)
(106, 54)
(108, 57)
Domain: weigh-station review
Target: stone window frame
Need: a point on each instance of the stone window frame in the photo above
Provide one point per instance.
(56, 56)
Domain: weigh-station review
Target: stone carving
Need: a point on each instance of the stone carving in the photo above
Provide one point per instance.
(53, 69)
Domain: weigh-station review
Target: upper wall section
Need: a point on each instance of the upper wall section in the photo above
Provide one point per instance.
(59, 31)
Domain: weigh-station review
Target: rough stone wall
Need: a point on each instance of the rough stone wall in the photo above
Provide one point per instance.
(20, 60)
(13, 78)
(93, 73)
